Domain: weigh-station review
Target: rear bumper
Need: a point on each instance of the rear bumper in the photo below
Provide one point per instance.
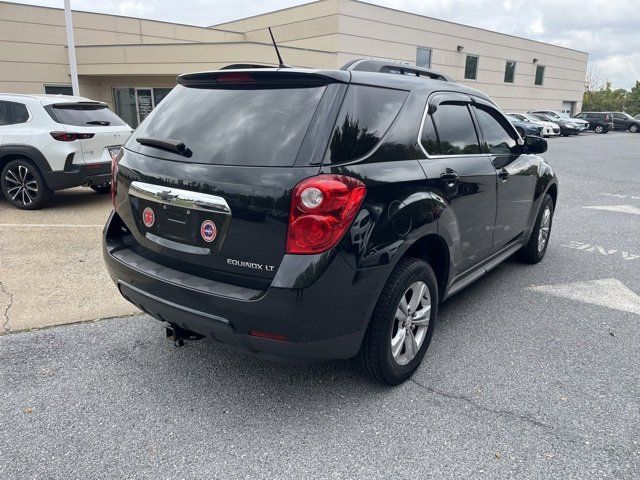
(325, 320)
(76, 175)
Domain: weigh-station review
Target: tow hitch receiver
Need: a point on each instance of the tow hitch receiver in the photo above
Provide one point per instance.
(178, 335)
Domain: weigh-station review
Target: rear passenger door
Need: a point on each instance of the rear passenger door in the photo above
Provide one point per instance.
(517, 173)
(462, 176)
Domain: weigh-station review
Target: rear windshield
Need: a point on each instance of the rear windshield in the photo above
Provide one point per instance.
(253, 127)
(84, 115)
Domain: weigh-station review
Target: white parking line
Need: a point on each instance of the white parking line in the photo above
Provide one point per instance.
(617, 208)
(607, 292)
(48, 225)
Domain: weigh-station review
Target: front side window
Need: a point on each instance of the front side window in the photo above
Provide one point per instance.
(449, 130)
(366, 115)
(510, 71)
(423, 57)
(471, 67)
(495, 130)
(539, 74)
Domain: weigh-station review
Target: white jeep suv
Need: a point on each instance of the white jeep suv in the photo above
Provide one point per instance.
(51, 142)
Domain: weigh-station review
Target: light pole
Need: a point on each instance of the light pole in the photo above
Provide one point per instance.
(71, 47)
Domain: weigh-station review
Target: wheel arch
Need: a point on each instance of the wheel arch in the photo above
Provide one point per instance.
(433, 249)
(26, 152)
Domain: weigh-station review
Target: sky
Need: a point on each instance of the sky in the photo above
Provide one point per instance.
(608, 30)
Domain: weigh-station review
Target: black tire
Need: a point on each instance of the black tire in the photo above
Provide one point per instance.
(634, 128)
(565, 134)
(531, 253)
(599, 129)
(104, 188)
(23, 185)
(375, 352)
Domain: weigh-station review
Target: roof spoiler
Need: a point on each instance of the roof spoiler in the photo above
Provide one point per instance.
(395, 68)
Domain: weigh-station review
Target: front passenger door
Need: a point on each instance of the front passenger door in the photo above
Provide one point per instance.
(517, 174)
(462, 176)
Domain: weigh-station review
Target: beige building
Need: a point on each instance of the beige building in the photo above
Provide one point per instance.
(131, 63)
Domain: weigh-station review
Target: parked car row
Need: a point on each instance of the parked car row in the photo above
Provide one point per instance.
(552, 123)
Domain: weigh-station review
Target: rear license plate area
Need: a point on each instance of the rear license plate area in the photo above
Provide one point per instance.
(180, 225)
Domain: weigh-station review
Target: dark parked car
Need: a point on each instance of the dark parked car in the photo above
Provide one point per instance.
(525, 128)
(322, 214)
(624, 121)
(599, 122)
(557, 115)
(566, 128)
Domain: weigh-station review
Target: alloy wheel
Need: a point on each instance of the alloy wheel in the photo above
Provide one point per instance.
(411, 323)
(545, 228)
(22, 186)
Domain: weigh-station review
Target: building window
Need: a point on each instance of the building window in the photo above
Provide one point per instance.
(58, 89)
(471, 68)
(134, 104)
(423, 57)
(510, 71)
(539, 74)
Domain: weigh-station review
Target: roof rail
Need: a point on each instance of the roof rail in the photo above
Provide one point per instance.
(242, 66)
(396, 68)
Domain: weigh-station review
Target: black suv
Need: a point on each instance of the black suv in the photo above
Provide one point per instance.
(312, 214)
(624, 121)
(599, 122)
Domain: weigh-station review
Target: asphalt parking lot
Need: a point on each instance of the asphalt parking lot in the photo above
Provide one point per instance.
(533, 371)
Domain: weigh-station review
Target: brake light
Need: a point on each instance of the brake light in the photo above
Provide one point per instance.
(70, 137)
(322, 209)
(235, 77)
(115, 158)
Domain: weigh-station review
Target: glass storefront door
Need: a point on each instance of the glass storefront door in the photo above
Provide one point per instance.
(134, 104)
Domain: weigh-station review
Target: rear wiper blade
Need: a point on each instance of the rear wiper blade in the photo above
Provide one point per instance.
(167, 144)
(98, 122)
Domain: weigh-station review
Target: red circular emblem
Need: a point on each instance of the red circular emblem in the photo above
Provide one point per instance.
(208, 231)
(148, 217)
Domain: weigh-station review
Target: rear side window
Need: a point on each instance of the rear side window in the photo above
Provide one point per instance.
(253, 127)
(83, 115)
(450, 131)
(366, 115)
(495, 130)
(19, 113)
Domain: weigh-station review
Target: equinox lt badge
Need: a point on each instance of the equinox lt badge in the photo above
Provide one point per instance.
(255, 266)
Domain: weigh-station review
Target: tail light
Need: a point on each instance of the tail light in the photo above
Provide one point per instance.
(322, 209)
(116, 155)
(70, 137)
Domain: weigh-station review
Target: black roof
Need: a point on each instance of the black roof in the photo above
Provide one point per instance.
(428, 81)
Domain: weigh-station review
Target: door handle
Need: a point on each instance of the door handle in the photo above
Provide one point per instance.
(503, 173)
(450, 176)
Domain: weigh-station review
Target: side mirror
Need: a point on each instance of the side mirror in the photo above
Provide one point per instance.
(535, 144)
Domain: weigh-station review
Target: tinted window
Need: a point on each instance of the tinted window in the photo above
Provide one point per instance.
(583, 115)
(5, 113)
(450, 131)
(423, 57)
(539, 74)
(19, 113)
(510, 71)
(495, 130)
(366, 114)
(236, 126)
(77, 114)
(471, 67)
